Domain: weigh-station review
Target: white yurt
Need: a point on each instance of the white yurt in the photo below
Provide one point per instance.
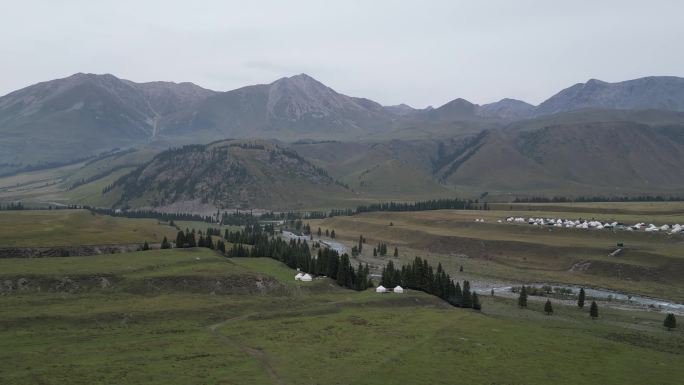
(298, 277)
(306, 278)
(398, 289)
(380, 289)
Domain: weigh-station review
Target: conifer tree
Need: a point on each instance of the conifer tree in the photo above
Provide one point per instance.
(580, 298)
(375, 252)
(548, 308)
(522, 298)
(593, 310)
(467, 296)
(670, 321)
(165, 243)
(332, 234)
(146, 246)
(458, 295)
(319, 232)
(180, 239)
(396, 252)
(476, 302)
(327, 233)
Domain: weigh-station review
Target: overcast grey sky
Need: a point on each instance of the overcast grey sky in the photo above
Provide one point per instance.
(417, 52)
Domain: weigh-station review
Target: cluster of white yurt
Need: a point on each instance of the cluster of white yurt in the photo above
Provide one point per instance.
(381, 289)
(303, 277)
(595, 225)
(479, 220)
(516, 219)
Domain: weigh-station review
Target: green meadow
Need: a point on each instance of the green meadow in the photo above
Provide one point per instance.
(147, 325)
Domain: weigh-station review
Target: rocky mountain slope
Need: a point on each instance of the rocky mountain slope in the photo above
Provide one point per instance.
(84, 114)
(289, 108)
(227, 174)
(654, 92)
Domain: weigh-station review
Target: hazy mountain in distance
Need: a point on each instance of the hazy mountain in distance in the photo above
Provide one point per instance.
(457, 109)
(289, 108)
(654, 92)
(509, 109)
(402, 110)
(83, 114)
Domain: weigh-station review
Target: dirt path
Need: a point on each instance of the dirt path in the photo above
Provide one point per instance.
(254, 353)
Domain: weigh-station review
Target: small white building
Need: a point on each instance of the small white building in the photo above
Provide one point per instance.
(306, 278)
(398, 289)
(380, 289)
(298, 277)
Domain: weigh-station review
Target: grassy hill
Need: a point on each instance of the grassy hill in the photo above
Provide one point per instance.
(228, 174)
(182, 316)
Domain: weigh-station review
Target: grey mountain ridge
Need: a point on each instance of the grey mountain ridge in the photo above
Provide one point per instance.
(87, 113)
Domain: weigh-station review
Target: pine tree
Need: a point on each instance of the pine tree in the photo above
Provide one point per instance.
(670, 321)
(190, 238)
(580, 298)
(319, 232)
(458, 295)
(165, 244)
(548, 308)
(476, 302)
(332, 234)
(375, 252)
(522, 298)
(146, 246)
(180, 239)
(467, 296)
(593, 310)
(396, 252)
(327, 233)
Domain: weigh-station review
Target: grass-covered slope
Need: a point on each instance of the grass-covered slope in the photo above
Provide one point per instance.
(45, 228)
(189, 316)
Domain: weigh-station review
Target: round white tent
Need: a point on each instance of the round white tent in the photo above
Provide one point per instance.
(380, 289)
(398, 289)
(298, 276)
(306, 278)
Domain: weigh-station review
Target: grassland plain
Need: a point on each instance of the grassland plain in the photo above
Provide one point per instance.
(43, 228)
(651, 264)
(266, 328)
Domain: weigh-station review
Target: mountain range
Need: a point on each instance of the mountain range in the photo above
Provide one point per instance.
(86, 114)
(296, 143)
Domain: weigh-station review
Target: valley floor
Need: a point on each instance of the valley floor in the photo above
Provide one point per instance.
(493, 253)
(191, 316)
